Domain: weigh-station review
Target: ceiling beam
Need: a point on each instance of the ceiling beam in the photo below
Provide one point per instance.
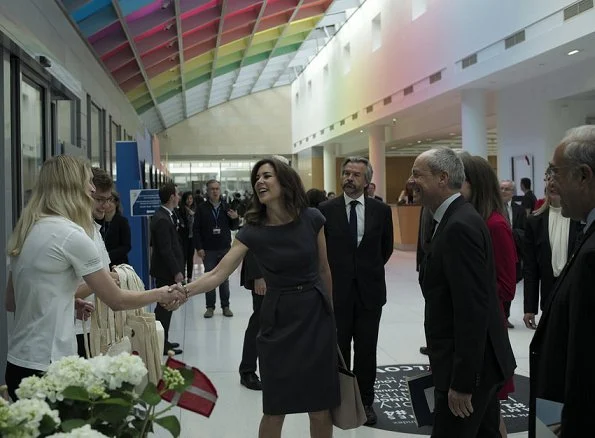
(293, 15)
(249, 46)
(139, 61)
(181, 56)
(216, 54)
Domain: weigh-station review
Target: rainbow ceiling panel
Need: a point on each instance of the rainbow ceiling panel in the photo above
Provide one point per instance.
(175, 58)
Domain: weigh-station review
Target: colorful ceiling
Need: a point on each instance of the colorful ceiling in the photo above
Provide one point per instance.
(176, 58)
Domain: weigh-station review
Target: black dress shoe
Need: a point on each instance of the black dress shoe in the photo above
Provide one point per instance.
(171, 345)
(251, 381)
(175, 350)
(424, 350)
(370, 415)
(509, 324)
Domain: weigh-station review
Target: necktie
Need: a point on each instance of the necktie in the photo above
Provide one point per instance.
(353, 221)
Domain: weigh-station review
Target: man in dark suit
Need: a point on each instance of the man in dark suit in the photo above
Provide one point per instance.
(529, 198)
(470, 354)
(371, 192)
(517, 218)
(167, 256)
(359, 239)
(562, 356)
(251, 278)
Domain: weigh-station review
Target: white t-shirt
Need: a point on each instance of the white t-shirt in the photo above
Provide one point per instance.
(56, 254)
(105, 261)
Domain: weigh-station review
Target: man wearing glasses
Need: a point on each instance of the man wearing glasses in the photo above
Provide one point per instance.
(102, 197)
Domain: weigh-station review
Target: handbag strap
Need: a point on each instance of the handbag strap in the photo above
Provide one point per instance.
(86, 339)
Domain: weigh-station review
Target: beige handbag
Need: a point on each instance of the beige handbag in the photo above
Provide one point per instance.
(350, 413)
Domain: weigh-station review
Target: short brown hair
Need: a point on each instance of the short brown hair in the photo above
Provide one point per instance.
(101, 180)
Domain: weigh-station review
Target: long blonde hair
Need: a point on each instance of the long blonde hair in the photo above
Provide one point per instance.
(61, 189)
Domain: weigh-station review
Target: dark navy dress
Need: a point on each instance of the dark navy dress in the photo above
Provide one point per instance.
(297, 343)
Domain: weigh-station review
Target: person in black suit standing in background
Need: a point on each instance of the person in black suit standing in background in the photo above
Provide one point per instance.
(252, 279)
(561, 354)
(359, 238)
(517, 217)
(470, 353)
(167, 256)
(529, 198)
(371, 192)
(117, 236)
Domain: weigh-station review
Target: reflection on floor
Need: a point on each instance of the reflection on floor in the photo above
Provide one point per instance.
(215, 346)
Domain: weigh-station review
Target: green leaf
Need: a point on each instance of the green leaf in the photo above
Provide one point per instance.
(113, 414)
(114, 401)
(76, 393)
(170, 423)
(47, 425)
(151, 395)
(68, 425)
(188, 376)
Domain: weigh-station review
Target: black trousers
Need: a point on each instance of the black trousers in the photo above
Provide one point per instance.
(14, 375)
(80, 345)
(359, 324)
(483, 423)
(162, 315)
(189, 255)
(506, 305)
(249, 352)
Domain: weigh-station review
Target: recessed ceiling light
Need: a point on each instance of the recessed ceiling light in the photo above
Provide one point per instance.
(419, 141)
(573, 52)
(394, 120)
(452, 133)
(361, 130)
(393, 147)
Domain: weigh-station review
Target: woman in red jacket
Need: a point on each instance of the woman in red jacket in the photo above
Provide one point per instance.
(482, 190)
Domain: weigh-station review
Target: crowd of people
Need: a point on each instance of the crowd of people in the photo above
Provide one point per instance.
(315, 266)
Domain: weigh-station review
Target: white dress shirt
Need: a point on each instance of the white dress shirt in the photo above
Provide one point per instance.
(509, 211)
(558, 229)
(360, 210)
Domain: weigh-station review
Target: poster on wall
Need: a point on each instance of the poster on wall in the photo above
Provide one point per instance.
(522, 167)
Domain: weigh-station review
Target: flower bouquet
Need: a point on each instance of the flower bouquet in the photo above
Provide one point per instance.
(98, 397)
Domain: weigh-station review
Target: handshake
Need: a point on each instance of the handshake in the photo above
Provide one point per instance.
(172, 297)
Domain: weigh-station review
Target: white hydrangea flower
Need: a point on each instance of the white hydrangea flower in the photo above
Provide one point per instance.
(69, 371)
(27, 414)
(4, 413)
(81, 432)
(116, 370)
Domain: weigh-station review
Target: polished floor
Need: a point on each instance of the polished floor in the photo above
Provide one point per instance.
(215, 346)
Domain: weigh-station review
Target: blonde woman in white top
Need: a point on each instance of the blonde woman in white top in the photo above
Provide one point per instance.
(548, 243)
(50, 250)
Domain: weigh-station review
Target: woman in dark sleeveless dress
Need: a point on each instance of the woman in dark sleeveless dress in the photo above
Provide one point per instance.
(297, 343)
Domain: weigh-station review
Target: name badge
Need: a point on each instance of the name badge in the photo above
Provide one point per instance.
(216, 231)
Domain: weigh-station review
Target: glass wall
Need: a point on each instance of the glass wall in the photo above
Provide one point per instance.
(234, 175)
(115, 133)
(32, 137)
(65, 115)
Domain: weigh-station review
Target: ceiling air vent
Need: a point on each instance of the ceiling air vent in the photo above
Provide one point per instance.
(369, 109)
(515, 39)
(469, 60)
(577, 8)
(408, 90)
(342, 122)
(332, 127)
(354, 116)
(388, 100)
(322, 132)
(435, 77)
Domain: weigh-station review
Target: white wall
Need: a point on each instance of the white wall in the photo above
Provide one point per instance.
(534, 115)
(254, 125)
(40, 27)
(412, 51)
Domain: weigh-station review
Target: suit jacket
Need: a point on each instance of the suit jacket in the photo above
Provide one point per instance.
(562, 353)
(537, 269)
(426, 223)
(468, 343)
(167, 256)
(117, 240)
(364, 264)
(250, 271)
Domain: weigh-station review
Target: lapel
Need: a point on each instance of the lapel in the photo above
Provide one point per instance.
(449, 212)
(546, 252)
(340, 210)
(369, 214)
(562, 276)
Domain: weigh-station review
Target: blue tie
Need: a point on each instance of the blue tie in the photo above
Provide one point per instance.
(353, 221)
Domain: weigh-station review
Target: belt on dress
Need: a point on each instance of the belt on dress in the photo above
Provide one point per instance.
(296, 288)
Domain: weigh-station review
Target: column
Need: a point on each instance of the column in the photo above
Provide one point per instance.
(330, 167)
(377, 154)
(473, 122)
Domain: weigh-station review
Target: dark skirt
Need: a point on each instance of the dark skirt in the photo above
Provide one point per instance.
(297, 350)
